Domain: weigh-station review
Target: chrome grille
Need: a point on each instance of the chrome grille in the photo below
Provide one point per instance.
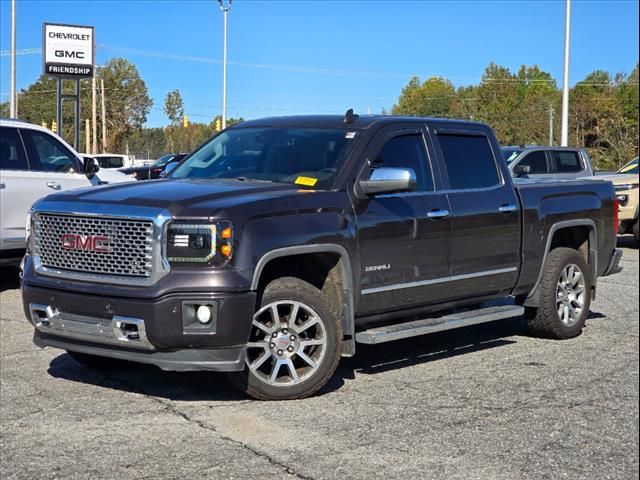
(128, 252)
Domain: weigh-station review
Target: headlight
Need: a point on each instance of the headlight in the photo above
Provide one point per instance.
(200, 243)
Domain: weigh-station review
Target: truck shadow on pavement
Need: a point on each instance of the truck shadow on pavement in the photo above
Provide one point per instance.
(208, 386)
(370, 360)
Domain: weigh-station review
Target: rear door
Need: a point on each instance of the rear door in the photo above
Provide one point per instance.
(403, 251)
(16, 195)
(567, 164)
(485, 230)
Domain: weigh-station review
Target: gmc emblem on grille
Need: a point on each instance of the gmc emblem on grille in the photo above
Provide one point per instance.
(90, 243)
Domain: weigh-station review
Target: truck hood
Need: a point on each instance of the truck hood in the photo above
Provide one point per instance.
(188, 197)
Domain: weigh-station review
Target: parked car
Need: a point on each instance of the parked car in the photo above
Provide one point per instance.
(153, 171)
(111, 160)
(542, 162)
(626, 183)
(35, 162)
(280, 244)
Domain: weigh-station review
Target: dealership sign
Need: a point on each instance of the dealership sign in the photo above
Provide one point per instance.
(68, 50)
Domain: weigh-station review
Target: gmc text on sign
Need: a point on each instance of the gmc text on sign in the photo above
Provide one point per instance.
(68, 50)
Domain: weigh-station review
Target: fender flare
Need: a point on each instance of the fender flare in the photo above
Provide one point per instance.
(348, 311)
(533, 297)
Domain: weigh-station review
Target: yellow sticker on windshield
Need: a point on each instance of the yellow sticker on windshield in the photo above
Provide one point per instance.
(627, 168)
(307, 181)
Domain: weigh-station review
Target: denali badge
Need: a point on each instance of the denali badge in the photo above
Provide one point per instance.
(91, 243)
(375, 268)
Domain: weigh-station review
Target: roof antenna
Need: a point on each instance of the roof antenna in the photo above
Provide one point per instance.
(350, 117)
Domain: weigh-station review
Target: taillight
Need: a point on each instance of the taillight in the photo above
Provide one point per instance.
(616, 215)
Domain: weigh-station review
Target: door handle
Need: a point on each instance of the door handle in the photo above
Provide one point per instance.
(507, 208)
(54, 185)
(436, 214)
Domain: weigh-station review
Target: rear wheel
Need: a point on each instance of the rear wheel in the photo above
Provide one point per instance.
(565, 296)
(295, 343)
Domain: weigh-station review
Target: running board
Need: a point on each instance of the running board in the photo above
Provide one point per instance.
(399, 331)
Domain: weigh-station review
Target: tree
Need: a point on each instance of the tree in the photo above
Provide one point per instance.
(174, 107)
(432, 99)
(127, 101)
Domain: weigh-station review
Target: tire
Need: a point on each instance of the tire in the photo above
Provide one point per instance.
(565, 297)
(636, 233)
(287, 359)
(95, 362)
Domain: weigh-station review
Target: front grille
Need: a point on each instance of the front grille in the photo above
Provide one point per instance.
(125, 246)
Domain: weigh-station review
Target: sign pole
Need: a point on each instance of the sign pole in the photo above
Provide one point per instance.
(76, 123)
(58, 106)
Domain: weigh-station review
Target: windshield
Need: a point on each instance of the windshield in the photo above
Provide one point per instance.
(510, 153)
(309, 157)
(163, 160)
(631, 167)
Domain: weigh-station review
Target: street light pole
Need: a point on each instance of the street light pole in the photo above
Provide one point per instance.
(12, 95)
(225, 7)
(565, 80)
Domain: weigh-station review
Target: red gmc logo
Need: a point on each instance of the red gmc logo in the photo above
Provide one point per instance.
(90, 243)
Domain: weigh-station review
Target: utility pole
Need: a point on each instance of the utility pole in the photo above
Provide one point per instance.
(551, 113)
(225, 7)
(104, 121)
(565, 80)
(13, 111)
(87, 136)
(94, 114)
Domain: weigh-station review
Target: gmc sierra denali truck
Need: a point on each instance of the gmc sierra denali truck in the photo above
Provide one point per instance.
(280, 244)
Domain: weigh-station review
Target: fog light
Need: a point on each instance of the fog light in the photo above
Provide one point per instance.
(203, 314)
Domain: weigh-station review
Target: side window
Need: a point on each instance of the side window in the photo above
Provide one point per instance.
(12, 155)
(536, 160)
(566, 161)
(469, 161)
(49, 154)
(407, 151)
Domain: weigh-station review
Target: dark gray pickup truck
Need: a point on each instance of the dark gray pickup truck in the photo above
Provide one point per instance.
(280, 244)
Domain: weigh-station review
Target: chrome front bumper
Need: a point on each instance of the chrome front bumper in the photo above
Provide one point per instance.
(122, 331)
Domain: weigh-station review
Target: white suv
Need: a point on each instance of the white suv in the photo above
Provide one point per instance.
(34, 163)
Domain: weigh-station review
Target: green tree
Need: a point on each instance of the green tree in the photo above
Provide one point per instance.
(433, 98)
(127, 101)
(174, 107)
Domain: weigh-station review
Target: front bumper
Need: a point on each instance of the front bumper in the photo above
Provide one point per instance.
(614, 263)
(158, 331)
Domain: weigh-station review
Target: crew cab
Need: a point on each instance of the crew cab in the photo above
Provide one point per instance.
(281, 244)
(538, 161)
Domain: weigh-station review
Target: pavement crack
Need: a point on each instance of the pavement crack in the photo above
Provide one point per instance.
(175, 411)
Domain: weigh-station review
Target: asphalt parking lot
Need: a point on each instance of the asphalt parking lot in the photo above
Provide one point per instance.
(485, 402)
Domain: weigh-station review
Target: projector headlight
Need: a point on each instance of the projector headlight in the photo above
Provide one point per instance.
(200, 243)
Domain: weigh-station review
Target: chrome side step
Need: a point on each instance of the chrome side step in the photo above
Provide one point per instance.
(415, 328)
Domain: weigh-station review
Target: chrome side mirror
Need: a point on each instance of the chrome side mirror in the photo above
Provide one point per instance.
(389, 180)
(521, 170)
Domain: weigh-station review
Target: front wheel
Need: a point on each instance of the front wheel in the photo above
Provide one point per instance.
(295, 343)
(565, 296)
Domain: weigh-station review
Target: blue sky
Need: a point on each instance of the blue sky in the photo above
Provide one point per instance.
(291, 57)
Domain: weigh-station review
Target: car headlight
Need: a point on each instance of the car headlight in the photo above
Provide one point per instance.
(210, 243)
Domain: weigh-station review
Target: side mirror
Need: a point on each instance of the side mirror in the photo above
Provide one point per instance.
(521, 170)
(389, 180)
(168, 169)
(91, 167)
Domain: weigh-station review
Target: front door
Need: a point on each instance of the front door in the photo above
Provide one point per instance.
(402, 249)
